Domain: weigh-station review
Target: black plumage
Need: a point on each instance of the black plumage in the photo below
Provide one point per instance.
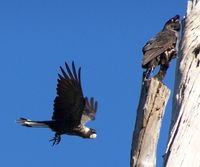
(71, 109)
(161, 49)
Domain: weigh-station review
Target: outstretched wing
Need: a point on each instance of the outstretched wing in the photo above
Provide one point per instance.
(89, 111)
(156, 46)
(69, 102)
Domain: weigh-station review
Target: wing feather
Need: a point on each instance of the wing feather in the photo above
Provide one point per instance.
(69, 102)
(79, 76)
(74, 71)
(69, 72)
(158, 45)
(90, 110)
(64, 73)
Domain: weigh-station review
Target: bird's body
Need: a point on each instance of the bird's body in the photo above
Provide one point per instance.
(71, 109)
(161, 49)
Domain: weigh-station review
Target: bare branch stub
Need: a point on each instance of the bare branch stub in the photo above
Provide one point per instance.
(154, 97)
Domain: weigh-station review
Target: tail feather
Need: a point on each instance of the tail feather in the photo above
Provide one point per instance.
(29, 123)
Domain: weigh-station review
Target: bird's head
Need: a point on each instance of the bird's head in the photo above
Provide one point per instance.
(92, 133)
(88, 133)
(173, 23)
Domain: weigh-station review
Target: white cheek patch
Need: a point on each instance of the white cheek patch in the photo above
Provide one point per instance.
(93, 136)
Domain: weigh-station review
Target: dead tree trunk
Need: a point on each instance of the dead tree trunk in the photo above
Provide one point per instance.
(153, 99)
(183, 147)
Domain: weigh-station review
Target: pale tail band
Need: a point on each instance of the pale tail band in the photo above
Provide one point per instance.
(29, 123)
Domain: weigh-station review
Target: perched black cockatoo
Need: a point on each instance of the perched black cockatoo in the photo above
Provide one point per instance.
(161, 49)
(71, 109)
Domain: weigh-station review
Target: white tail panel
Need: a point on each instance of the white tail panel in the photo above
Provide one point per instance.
(29, 123)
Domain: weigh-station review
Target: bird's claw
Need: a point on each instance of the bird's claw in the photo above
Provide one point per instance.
(56, 139)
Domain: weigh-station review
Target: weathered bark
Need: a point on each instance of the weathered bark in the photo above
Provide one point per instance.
(153, 99)
(183, 147)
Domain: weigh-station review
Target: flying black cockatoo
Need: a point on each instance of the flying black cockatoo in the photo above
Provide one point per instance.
(161, 49)
(71, 109)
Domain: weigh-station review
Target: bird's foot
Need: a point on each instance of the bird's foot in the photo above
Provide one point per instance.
(160, 76)
(56, 140)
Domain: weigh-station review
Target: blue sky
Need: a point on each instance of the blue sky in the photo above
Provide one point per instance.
(104, 38)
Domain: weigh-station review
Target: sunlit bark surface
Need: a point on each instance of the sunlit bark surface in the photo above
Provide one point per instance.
(183, 149)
